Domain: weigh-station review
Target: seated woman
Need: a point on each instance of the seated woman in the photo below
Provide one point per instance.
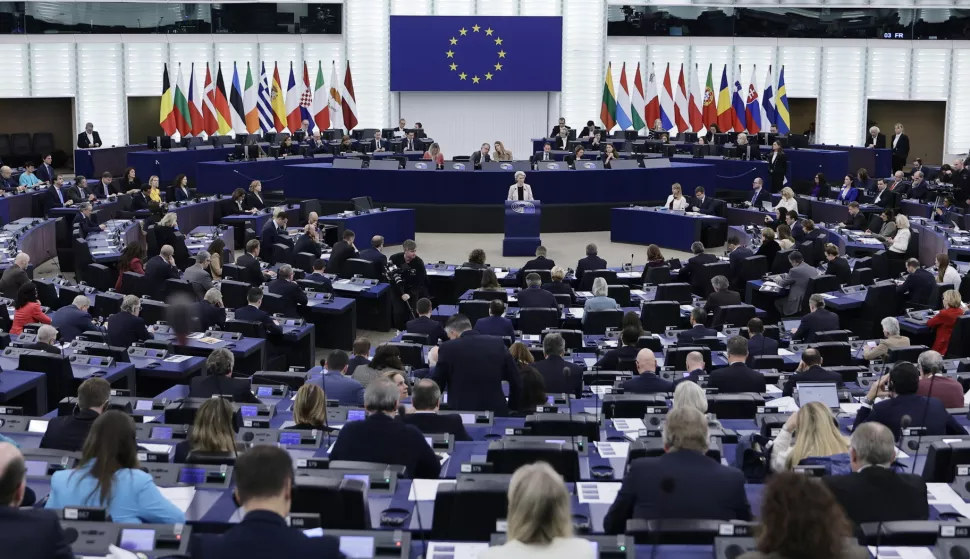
(782, 215)
(310, 408)
(154, 194)
(28, 310)
(609, 155)
(655, 259)
(490, 281)
(346, 145)
(783, 237)
(521, 355)
(131, 261)
(476, 259)
(212, 431)
(434, 154)
(578, 154)
(599, 301)
(899, 243)
(676, 200)
(533, 393)
(769, 247)
(287, 147)
(109, 476)
(501, 154)
(849, 192)
(215, 250)
(386, 358)
(945, 320)
(254, 200)
(946, 272)
(787, 200)
(820, 189)
(863, 182)
(557, 286)
(811, 432)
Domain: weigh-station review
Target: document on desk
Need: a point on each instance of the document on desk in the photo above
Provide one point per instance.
(177, 358)
(638, 293)
(613, 450)
(164, 448)
(589, 361)
(772, 389)
(500, 273)
(785, 405)
(686, 308)
(901, 552)
(575, 313)
(597, 492)
(181, 497)
(629, 424)
(784, 352)
(942, 494)
(453, 550)
(426, 489)
(586, 294)
(850, 409)
(827, 296)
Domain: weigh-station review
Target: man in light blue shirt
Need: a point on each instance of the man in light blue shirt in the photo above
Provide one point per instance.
(28, 178)
(337, 385)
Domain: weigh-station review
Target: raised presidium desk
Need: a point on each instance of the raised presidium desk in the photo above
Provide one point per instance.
(91, 162)
(396, 225)
(665, 228)
(879, 162)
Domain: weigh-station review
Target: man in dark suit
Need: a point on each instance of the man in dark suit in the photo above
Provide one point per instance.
(160, 268)
(106, 187)
(68, 432)
(777, 167)
(342, 250)
(884, 198)
(7, 182)
(627, 351)
(211, 310)
(561, 140)
(374, 254)
(837, 266)
(722, 296)
(379, 438)
(264, 488)
(810, 370)
(947, 213)
(875, 139)
(319, 265)
(797, 284)
(410, 143)
(15, 276)
(26, 533)
(684, 483)
(46, 335)
(426, 399)
(46, 170)
(89, 138)
(736, 255)
(86, 221)
(646, 380)
(360, 350)
(818, 319)
(218, 380)
(546, 154)
(337, 383)
(557, 129)
(695, 368)
(857, 220)
(294, 298)
(495, 324)
(471, 367)
(692, 271)
(307, 242)
(702, 202)
(81, 192)
(253, 313)
(481, 156)
(426, 325)
(377, 144)
(901, 386)
(758, 343)
(250, 270)
(737, 377)
(918, 286)
(900, 147)
(274, 232)
(554, 368)
(126, 327)
(540, 262)
(920, 186)
(533, 296)
(758, 194)
(56, 197)
(74, 319)
(698, 316)
(591, 262)
(874, 492)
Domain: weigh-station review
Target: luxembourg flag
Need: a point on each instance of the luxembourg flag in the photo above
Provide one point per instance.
(752, 110)
(667, 102)
(681, 110)
(652, 110)
(623, 102)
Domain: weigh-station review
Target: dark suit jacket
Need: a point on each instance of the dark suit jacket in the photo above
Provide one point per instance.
(82, 140)
(531, 297)
(736, 258)
(341, 252)
(471, 368)
(691, 272)
(886, 200)
(839, 268)
(762, 197)
(87, 225)
(821, 320)
(917, 287)
(254, 314)
(705, 207)
(647, 383)
(379, 438)
(539, 263)
(355, 361)
(749, 151)
(477, 159)
(124, 329)
(79, 193)
(51, 200)
(560, 143)
(306, 244)
(33, 533)
(429, 423)
(552, 369)
(429, 327)
(558, 287)
(210, 315)
(271, 236)
(157, 271)
(495, 326)
(12, 280)
(41, 346)
(293, 296)
(253, 201)
(681, 484)
(812, 374)
(71, 321)
(777, 170)
(719, 299)
(878, 494)
(859, 222)
(166, 235)
(102, 191)
(761, 345)
(589, 263)
(611, 360)
(917, 191)
(181, 193)
(373, 255)
(45, 173)
(321, 279)
(250, 270)
(880, 141)
(139, 202)
(698, 331)
(735, 378)
(891, 412)
(769, 250)
(265, 534)
(210, 385)
(68, 432)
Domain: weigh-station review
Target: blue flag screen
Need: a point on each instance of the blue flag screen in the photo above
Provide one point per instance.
(476, 53)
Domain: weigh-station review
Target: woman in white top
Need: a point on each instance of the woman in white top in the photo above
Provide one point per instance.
(947, 273)
(787, 200)
(514, 189)
(900, 242)
(783, 237)
(676, 200)
(810, 432)
(540, 522)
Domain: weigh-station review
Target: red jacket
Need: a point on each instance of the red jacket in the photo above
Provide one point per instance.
(135, 267)
(28, 314)
(944, 322)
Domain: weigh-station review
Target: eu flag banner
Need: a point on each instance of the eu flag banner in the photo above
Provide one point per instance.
(476, 53)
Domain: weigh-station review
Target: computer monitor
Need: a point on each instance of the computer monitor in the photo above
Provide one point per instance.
(796, 141)
(689, 137)
(700, 150)
(362, 203)
(159, 142)
(316, 495)
(720, 138)
(825, 392)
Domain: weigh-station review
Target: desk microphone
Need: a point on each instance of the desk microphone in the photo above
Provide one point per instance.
(667, 487)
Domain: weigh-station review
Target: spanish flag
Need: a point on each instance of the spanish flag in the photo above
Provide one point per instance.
(277, 102)
(166, 112)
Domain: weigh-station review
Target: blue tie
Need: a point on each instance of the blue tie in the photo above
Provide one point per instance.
(755, 197)
(59, 195)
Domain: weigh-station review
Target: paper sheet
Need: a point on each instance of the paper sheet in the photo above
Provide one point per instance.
(166, 448)
(426, 489)
(942, 494)
(772, 389)
(784, 352)
(177, 358)
(586, 294)
(453, 550)
(687, 308)
(613, 450)
(629, 424)
(181, 497)
(901, 552)
(850, 409)
(785, 405)
(442, 457)
(638, 293)
(590, 361)
(827, 296)
(597, 492)
(116, 552)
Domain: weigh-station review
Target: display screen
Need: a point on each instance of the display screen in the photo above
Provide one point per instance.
(161, 433)
(825, 392)
(289, 437)
(467, 418)
(264, 391)
(94, 361)
(133, 539)
(36, 468)
(143, 405)
(364, 478)
(37, 426)
(355, 415)
(192, 476)
(248, 411)
(357, 547)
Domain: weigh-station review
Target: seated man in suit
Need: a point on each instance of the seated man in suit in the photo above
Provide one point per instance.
(198, 273)
(106, 187)
(7, 182)
(533, 296)
(627, 351)
(74, 319)
(758, 343)
(737, 377)
(218, 380)
(253, 313)
(161, 268)
(46, 335)
(546, 154)
(837, 266)
(15, 276)
(425, 402)
(884, 198)
(86, 221)
(918, 287)
(380, 438)
(68, 432)
(274, 232)
(874, 492)
(317, 276)
(342, 250)
(647, 381)
(553, 368)
(264, 488)
(591, 262)
(920, 186)
(56, 197)
(692, 271)
(683, 483)
(697, 330)
(901, 387)
(481, 156)
(561, 139)
(315, 144)
(377, 144)
(374, 254)
(426, 325)
(890, 329)
(947, 213)
(360, 350)
(736, 255)
(410, 143)
(495, 324)
(818, 319)
(797, 284)
(250, 270)
(720, 297)
(294, 298)
(695, 368)
(126, 327)
(702, 203)
(540, 262)
(308, 241)
(857, 220)
(810, 370)
(80, 191)
(46, 172)
(557, 286)
(211, 310)
(759, 195)
(337, 383)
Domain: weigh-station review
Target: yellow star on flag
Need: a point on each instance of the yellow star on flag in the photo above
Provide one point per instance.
(501, 54)
(489, 31)
(475, 28)
(476, 79)
(488, 76)
(498, 41)
(454, 41)
(498, 67)
(463, 31)
(450, 53)
(463, 75)
(453, 66)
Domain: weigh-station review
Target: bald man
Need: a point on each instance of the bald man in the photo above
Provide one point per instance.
(695, 368)
(34, 533)
(15, 276)
(647, 381)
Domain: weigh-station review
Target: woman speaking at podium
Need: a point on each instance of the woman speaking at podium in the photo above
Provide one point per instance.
(520, 190)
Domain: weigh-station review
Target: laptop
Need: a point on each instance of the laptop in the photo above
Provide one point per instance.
(767, 205)
(825, 392)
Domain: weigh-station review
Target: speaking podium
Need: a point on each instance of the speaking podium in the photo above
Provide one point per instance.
(521, 228)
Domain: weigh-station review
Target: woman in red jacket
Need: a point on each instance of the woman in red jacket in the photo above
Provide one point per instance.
(130, 261)
(945, 320)
(28, 309)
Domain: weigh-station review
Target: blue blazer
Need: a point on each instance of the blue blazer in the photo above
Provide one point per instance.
(737, 378)
(736, 258)
(342, 388)
(293, 296)
(124, 329)
(379, 438)
(821, 320)
(264, 534)
(891, 412)
(552, 370)
(647, 383)
(472, 367)
(134, 497)
(373, 255)
(254, 314)
(698, 331)
(761, 345)
(429, 327)
(321, 279)
(532, 297)
(71, 321)
(849, 196)
(495, 326)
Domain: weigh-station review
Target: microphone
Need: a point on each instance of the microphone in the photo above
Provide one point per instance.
(667, 487)
(919, 438)
(567, 372)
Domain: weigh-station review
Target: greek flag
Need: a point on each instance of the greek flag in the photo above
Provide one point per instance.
(263, 104)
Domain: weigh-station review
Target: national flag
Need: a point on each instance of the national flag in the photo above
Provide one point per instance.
(348, 102)
(608, 106)
(277, 102)
(667, 102)
(694, 115)
(710, 99)
(681, 115)
(752, 109)
(768, 102)
(292, 103)
(263, 104)
(737, 104)
(166, 111)
(195, 106)
(321, 115)
(223, 115)
(306, 99)
(333, 99)
(249, 102)
(783, 118)
(651, 113)
(637, 103)
(180, 106)
(623, 102)
(725, 122)
(236, 110)
(210, 122)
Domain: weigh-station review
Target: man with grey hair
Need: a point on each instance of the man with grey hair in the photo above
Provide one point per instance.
(540, 262)
(7, 183)
(217, 379)
(292, 295)
(721, 297)
(591, 262)
(197, 274)
(15, 276)
(534, 296)
(697, 330)
(919, 187)
(86, 221)
(692, 272)
(211, 310)
(646, 380)
(425, 401)
(46, 335)
(874, 492)
(819, 319)
(380, 438)
(737, 376)
(933, 382)
(878, 350)
(161, 268)
(125, 327)
(683, 483)
(560, 376)
(74, 319)
(89, 138)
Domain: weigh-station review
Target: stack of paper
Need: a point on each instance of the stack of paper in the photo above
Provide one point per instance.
(452, 550)
(597, 492)
(613, 450)
(785, 405)
(901, 552)
(426, 489)
(181, 497)
(629, 424)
